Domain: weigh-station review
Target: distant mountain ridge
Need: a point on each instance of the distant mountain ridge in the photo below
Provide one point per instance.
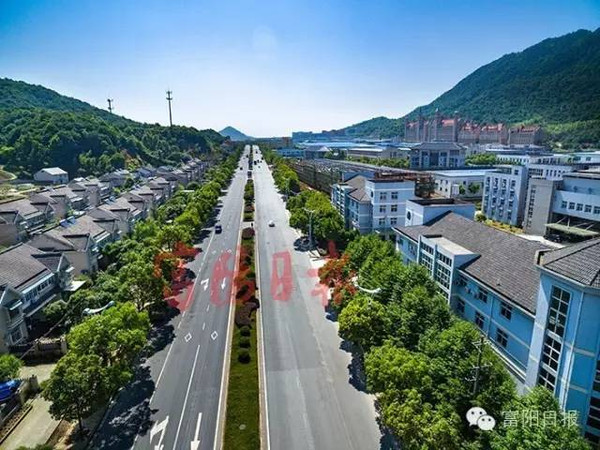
(555, 83)
(41, 128)
(234, 134)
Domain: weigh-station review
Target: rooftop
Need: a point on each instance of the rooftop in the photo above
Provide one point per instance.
(20, 268)
(506, 262)
(579, 262)
(53, 171)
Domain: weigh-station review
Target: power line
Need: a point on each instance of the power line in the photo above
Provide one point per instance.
(169, 98)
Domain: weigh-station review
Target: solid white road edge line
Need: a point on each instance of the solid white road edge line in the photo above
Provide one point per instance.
(187, 393)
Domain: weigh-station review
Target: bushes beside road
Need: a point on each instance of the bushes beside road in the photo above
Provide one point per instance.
(242, 428)
(419, 359)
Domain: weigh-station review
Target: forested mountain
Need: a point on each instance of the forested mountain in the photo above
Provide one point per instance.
(555, 83)
(234, 134)
(39, 128)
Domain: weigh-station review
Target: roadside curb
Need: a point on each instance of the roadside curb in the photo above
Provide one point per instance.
(262, 376)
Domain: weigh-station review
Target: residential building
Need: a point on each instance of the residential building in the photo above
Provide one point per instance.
(29, 280)
(18, 218)
(146, 172)
(379, 152)
(525, 135)
(504, 193)
(476, 268)
(420, 211)
(565, 346)
(51, 175)
(373, 204)
(543, 323)
(459, 183)
(568, 208)
(437, 155)
(118, 177)
(297, 153)
(77, 241)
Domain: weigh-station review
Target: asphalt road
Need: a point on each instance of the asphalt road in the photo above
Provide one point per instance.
(314, 394)
(175, 400)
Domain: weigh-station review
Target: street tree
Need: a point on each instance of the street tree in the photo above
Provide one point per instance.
(9, 367)
(553, 429)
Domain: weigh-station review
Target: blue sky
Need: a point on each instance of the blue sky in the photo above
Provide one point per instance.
(269, 67)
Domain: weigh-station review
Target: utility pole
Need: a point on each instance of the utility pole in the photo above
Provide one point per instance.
(169, 98)
(477, 368)
(110, 106)
(310, 219)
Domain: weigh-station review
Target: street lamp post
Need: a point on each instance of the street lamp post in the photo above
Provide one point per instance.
(310, 217)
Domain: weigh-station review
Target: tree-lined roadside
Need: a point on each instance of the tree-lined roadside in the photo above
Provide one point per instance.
(140, 280)
(419, 359)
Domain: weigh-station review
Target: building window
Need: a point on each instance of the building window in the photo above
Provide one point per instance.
(482, 295)
(393, 220)
(596, 209)
(381, 221)
(588, 208)
(460, 306)
(506, 310)
(394, 195)
(16, 336)
(427, 262)
(563, 204)
(382, 209)
(394, 208)
(383, 196)
(546, 379)
(501, 337)
(579, 207)
(444, 259)
(597, 377)
(427, 249)
(442, 275)
(571, 205)
(551, 352)
(594, 413)
(479, 320)
(557, 316)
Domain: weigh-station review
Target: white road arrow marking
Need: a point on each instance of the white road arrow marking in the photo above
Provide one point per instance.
(204, 284)
(159, 428)
(196, 442)
(214, 335)
(223, 283)
(188, 337)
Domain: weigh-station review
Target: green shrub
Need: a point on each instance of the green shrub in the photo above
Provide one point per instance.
(244, 342)
(244, 356)
(245, 331)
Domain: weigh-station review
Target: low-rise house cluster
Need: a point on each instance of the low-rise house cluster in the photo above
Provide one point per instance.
(58, 233)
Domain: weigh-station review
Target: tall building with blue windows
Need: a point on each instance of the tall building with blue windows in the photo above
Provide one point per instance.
(565, 345)
(539, 307)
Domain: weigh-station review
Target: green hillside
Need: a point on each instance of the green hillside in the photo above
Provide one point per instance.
(39, 128)
(555, 83)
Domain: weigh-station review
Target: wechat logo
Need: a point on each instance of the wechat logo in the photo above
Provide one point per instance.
(477, 417)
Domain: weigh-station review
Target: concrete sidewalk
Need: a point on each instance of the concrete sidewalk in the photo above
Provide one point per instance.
(37, 426)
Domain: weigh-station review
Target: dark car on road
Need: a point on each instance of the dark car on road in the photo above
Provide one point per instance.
(218, 228)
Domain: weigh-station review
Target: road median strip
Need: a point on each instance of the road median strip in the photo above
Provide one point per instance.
(242, 425)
